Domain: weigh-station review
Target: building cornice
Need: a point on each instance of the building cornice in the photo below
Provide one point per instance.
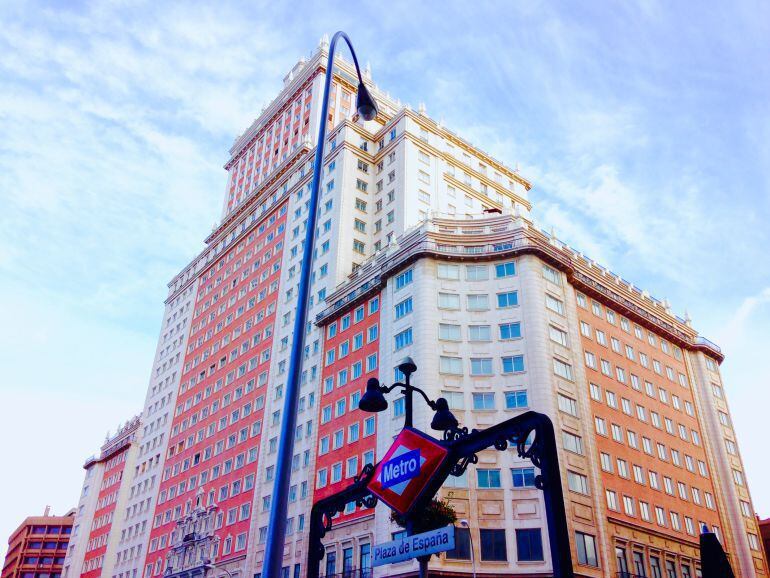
(504, 236)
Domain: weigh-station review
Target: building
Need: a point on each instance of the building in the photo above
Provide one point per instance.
(37, 548)
(425, 247)
(99, 524)
(764, 529)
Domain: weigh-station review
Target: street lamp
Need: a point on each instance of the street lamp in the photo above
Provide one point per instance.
(465, 524)
(373, 401)
(276, 534)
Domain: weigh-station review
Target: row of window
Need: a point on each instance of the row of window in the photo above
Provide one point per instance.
(633, 507)
(625, 325)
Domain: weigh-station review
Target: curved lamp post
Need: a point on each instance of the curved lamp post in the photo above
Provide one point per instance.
(367, 108)
(373, 401)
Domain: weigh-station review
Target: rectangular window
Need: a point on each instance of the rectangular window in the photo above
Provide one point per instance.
(451, 365)
(478, 302)
(568, 405)
(476, 272)
(481, 366)
(510, 330)
(586, 549)
(577, 482)
(488, 478)
(562, 369)
(508, 299)
(480, 333)
(529, 545)
(404, 279)
(554, 304)
(403, 338)
(572, 443)
(516, 399)
(557, 335)
(449, 301)
(484, 401)
(493, 546)
(513, 364)
(523, 477)
(448, 271)
(505, 270)
(449, 332)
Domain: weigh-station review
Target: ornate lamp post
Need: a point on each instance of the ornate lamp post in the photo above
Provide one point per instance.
(367, 108)
(373, 401)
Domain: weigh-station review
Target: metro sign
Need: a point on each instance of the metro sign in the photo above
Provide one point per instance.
(408, 466)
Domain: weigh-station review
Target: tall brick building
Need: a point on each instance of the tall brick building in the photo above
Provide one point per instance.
(37, 548)
(425, 247)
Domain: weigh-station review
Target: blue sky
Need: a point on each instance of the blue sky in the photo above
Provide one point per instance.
(644, 126)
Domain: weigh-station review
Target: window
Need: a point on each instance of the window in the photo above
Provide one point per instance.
(448, 301)
(455, 399)
(567, 405)
(480, 333)
(513, 364)
(488, 478)
(399, 407)
(562, 369)
(554, 304)
(523, 477)
(447, 271)
(404, 279)
(508, 299)
(516, 399)
(586, 549)
(449, 332)
(476, 272)
(577, 482)
(557, 335)
(451, 365)
(484, 401)
(551, 275)
(478, 302)
(510, 330)
(529, 544)
(462, 550)
(505, 270)
(493, 545)
(481, 366)
(572, 443)
(403, 338)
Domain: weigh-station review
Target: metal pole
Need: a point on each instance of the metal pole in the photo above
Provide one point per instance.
(408, 408)
(276, 535)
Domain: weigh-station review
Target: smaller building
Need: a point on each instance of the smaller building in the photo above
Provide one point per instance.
(764, 530)
(38, 546)
(100, 517)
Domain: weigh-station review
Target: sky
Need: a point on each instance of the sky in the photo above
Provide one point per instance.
(644, 127)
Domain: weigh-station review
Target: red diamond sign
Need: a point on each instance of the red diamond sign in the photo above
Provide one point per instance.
(408, 466)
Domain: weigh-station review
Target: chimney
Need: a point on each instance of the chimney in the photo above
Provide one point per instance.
(47, 511)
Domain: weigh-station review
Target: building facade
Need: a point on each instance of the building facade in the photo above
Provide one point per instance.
(99, 521)
(425, 247)
(37, 548)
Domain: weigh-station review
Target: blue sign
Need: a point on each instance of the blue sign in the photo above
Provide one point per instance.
(432, 542)
(400, 468)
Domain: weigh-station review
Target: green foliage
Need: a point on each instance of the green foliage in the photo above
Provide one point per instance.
(437, 514)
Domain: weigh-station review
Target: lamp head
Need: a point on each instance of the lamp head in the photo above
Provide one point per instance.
(373, 401)
(444, 419)
(365, 104)
(407, 367)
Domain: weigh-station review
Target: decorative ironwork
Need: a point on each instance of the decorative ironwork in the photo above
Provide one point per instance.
(463, 447)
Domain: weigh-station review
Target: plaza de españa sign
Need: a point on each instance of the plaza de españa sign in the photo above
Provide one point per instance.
(408, 466)
(409, 547)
